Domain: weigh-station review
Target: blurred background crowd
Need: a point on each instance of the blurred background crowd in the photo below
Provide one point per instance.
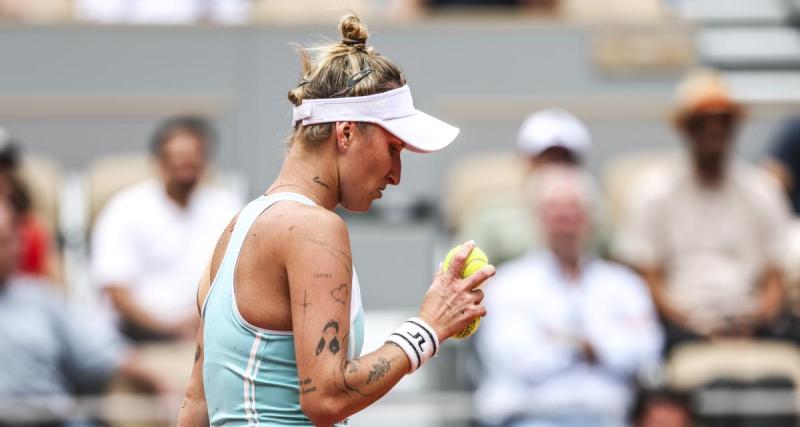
(631, 166)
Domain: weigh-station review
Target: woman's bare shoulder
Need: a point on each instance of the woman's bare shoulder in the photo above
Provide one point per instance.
(300, 235)
(292, 221)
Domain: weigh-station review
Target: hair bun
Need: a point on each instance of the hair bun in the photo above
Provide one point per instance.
(354, 32)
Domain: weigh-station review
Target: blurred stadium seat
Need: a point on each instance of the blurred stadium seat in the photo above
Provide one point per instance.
(475, 176)
(693, 365)
(107, 176)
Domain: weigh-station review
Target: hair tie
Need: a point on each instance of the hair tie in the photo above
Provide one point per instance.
(355, 42)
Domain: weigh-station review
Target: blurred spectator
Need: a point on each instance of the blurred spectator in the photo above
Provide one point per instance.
(36, 252)
(783, 161)
(47, 353)
(553, 136)
(567, 331)
(151, 240)
(661, 408)
(485, 198)
(707, 232)
(163, 11)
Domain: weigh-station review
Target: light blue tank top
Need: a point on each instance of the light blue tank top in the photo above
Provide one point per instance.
(250, 373)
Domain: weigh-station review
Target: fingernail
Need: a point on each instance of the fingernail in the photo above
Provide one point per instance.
(469, 242)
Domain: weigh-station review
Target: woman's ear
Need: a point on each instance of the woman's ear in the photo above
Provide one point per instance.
(344, 135)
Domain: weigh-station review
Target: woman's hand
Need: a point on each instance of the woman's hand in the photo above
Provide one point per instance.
(452, 302)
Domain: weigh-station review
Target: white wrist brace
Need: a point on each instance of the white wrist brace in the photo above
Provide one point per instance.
(418, 340)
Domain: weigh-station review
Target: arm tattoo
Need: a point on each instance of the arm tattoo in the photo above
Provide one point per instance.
(305, 303)
(321, 345)
(306, 386)
(331, 248)
(197, 352)
(340, 374)
(379, 369)
(332, 342)
(347, 387)
(341, 257)
(333, 346)
(339, 294)
(332, 324)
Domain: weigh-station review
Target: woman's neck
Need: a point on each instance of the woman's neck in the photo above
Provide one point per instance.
(313, 173)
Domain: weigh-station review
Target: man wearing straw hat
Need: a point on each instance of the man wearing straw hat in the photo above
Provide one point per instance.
(707, 231)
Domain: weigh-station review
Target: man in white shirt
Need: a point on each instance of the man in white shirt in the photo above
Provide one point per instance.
(567, 331)
(708, 231)
(151, 241)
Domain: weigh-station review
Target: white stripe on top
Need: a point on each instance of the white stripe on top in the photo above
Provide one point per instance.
(249, 408)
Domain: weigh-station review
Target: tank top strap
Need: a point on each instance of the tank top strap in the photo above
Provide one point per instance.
(247, 216)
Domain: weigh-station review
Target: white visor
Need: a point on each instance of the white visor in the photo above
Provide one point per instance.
(393, 110)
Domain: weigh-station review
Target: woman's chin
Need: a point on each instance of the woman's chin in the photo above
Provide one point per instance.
(357, 207)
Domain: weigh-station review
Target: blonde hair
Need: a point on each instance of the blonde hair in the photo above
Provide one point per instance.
(338, 70)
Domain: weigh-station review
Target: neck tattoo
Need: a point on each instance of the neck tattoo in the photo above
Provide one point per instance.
(319, 182)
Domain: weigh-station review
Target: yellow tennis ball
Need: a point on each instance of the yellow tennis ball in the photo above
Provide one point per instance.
(475, 261)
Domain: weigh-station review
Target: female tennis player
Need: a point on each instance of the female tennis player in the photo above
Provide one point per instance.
(280, 342)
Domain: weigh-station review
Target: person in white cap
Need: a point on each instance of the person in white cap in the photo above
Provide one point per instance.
(484, 195)
(281, 344)
(553, 136)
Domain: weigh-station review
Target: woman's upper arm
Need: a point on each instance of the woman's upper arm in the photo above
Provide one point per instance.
(319, 271)
(194, 411)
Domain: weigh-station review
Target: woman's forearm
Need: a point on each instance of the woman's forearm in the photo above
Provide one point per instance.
(353, 385)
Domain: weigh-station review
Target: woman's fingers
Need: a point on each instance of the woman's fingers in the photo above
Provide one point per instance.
(459, 261)
(477, 278)
(473, 311)
(452, 302)
(478, 295)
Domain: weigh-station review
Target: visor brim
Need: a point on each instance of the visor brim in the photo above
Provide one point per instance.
(421, 132)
